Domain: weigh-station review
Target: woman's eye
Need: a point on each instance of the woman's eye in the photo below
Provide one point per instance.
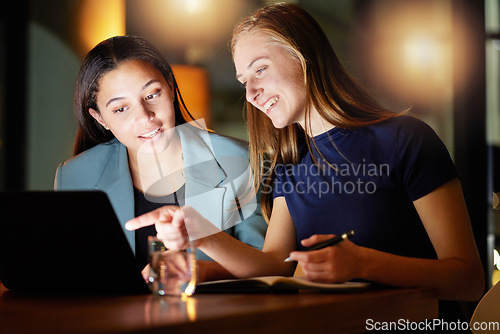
(119, 110)
(152, 96)
(260, 70)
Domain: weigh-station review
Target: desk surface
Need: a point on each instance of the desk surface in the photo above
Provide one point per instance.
(223, 313)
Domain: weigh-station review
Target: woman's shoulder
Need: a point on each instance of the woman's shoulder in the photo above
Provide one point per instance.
(89, 162)
(227, 145)
(403, 127)
(405, 122)
(221, 144)
(231, 154)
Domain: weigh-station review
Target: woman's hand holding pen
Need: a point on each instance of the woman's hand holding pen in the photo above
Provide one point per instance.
(334, 264)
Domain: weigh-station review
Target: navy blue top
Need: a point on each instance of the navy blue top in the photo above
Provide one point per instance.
(377, 172)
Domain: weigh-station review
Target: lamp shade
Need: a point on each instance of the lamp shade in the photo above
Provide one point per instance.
(194, 86)
(98, 20)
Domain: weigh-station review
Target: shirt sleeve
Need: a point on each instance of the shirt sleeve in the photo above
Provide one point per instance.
(424, 163)
(278, 180)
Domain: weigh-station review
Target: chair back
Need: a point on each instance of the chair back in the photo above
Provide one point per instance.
(486, 317)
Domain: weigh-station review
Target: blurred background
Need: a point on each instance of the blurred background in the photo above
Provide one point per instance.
(439, 57)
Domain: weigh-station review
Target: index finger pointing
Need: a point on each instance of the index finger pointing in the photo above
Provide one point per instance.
(163, 214)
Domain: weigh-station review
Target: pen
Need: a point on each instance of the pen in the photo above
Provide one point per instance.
(326, 243)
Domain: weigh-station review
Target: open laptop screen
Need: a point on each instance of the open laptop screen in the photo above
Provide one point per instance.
(65, 242)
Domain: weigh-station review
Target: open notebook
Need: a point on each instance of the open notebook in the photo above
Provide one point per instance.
(275, 284)
(65, 242)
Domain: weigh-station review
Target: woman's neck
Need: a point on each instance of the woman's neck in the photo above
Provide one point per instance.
(316, 124)
(158, 174)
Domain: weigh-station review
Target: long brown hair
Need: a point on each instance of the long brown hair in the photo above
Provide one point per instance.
(104, 57)
(329, 88)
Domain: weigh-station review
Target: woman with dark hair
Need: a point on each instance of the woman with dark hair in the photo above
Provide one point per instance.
(134, 143)
(104, 57)
(330, 159)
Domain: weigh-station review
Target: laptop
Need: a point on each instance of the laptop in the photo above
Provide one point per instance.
(65, 242)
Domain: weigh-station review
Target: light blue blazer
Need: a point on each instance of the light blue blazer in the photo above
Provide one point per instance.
(216, 172)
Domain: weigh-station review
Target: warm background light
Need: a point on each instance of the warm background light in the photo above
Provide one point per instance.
(98, 20)
(194, 85)
(422, 53)
(412, 53)
(194, 29)
(496, 268)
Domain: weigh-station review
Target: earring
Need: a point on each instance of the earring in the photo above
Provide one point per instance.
(105, 127)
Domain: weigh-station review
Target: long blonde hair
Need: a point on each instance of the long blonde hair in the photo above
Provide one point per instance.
(329, 88)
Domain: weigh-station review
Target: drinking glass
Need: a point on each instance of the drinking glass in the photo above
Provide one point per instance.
(172, 272)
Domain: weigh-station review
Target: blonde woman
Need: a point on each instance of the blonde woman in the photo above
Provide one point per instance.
(330, 159)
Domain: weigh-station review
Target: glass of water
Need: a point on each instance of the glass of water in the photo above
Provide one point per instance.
(172, 272)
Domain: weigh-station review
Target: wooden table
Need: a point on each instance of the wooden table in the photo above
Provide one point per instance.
(303, 312)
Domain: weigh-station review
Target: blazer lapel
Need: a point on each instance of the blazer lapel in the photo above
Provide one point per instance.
(203, 174)
(117, 183)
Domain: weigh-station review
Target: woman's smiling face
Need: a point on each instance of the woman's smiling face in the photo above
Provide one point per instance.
(272, 77)
(136, 103)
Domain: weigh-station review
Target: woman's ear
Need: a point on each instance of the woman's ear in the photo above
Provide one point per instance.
(97, 117)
